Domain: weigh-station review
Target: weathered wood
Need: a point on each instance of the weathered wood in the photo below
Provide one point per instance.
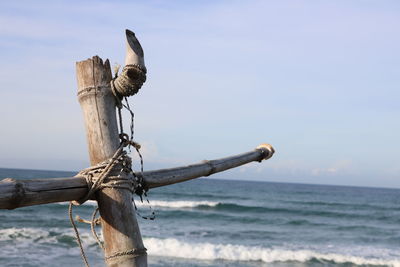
(120, 228)
(206, 168)
(20, 193)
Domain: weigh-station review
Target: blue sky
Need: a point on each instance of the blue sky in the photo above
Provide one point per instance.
(319, 80)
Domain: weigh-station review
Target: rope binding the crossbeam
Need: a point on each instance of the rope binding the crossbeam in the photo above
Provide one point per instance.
(115, 173)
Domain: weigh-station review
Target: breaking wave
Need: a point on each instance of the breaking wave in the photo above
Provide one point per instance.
(206, 251)
(164, 204)
(27, 237)
(178, 204)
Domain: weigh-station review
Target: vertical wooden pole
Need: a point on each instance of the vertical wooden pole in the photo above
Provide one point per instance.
(120, 228)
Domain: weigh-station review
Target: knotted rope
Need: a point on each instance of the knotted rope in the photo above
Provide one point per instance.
(115, 173)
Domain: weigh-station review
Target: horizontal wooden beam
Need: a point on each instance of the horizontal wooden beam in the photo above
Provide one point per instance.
(207, 167)
(20, 193)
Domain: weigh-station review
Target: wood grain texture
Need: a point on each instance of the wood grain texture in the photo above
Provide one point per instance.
(206, 168)
(120, 228)
(22, 193)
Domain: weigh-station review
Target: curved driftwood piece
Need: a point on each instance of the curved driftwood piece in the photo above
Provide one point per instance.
(133, 75)
(21, 193)
(134, 51)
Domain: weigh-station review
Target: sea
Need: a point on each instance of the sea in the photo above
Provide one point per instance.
(210, 222)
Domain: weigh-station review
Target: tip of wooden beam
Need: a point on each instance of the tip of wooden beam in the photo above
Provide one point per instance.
(267, 149)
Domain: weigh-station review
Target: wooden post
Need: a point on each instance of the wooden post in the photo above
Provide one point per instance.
(120, 228)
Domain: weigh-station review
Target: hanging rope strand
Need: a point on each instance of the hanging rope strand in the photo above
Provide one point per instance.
(78, 238)
(93, 228)
(141, 188)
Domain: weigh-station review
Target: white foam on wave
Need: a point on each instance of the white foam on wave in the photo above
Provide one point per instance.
(206, 251)
(40, 247)
(24, 238)
(89, 203)
(22, 234)
(177, 204)
(27, 236)
(163, 203)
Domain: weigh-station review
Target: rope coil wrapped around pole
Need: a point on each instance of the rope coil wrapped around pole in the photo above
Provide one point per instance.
(129, 81)
(115, 173)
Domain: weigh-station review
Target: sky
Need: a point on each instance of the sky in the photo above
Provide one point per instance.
(318, 80)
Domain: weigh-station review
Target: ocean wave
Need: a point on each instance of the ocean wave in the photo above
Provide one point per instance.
(15, 239)
(236, 208)
(89, 203)
(178, 204)
(233, 207)
(43, 247)
(206, 251)
(199, 195)
(345, 205)
(21, 234)
(281, 210)
(27, 236)
(163, 204)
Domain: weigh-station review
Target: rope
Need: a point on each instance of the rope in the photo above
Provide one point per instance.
(92, 227)
(134, 252)
(129, 82)
(99, 177)
(104, 168)
(78, 238)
